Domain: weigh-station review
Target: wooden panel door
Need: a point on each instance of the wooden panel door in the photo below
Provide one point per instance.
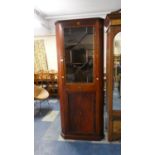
(81, 112)
(80, 69)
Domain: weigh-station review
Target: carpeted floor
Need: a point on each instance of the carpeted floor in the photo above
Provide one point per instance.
(47, 139)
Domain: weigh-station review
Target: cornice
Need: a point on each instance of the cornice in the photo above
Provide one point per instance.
(75, 16)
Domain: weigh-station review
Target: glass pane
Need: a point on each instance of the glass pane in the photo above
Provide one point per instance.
(117, 73)
(79, 53)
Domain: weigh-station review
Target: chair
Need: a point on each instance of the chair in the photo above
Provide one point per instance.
(40, 94)
(38, 78)
(52, 83)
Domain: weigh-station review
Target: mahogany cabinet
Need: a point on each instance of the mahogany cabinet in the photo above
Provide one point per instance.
(80, 77)
(113, 73)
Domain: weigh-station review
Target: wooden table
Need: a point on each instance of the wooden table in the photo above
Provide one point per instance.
(48, 80)
(45, 77)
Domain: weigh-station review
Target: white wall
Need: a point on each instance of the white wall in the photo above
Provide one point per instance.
(41, 31)
(41, 26)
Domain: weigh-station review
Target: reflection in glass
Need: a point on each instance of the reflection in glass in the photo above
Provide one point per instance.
(117, 72)
(79, 52)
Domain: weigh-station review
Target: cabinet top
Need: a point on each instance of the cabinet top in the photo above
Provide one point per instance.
(114, 18)
(83, 21)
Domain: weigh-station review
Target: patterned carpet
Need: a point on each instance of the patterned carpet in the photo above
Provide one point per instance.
(47, 139)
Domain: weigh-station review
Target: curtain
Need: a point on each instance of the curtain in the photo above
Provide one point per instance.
(40, 60)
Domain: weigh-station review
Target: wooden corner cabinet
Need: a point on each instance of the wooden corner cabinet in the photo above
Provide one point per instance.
(113, 73)
(80, 77)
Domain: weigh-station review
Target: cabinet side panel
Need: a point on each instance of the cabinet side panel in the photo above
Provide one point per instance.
(60, 48)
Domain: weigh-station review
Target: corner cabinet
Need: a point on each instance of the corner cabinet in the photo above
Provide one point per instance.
(80, 77)
(113, 73)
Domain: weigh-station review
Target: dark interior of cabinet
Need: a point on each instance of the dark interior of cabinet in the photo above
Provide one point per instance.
(79, 54)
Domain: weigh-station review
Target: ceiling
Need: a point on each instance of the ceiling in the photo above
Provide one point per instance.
(47, 12)
(56, 8)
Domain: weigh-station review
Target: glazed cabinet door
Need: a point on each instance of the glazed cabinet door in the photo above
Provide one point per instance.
(80, 67)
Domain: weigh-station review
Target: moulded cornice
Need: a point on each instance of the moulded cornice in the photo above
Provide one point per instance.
(75, 16)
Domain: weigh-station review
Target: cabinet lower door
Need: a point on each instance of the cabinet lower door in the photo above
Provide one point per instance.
(82, 116)
(81, 113)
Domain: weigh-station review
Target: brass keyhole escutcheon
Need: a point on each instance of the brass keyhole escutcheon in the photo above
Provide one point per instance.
(97, 78)
(78, 23)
